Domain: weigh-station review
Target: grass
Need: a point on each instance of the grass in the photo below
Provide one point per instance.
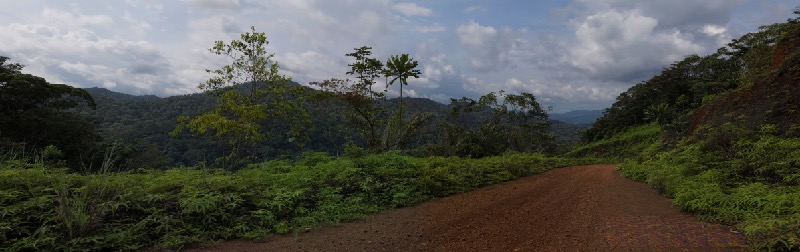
(51, 209)
(640, 141)
(750, 182)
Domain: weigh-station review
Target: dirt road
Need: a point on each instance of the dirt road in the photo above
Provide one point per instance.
(585, 208)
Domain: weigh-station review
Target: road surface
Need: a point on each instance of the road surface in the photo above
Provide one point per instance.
(583, 208)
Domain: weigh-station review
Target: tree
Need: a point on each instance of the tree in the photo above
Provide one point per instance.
(796, 12)
(671, 97)
(524, 122)
(7, 67)
(363, 108)
(365, 69)
(249, 91)
(37, 113)
(399, 69)
(495, 123)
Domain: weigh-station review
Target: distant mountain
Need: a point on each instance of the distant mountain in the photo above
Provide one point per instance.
(578, 116)
(145, 122)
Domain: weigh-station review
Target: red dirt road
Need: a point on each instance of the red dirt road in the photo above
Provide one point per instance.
(585, 208)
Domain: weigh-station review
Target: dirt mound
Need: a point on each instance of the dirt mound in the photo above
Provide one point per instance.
(587, 208)
(771, 100)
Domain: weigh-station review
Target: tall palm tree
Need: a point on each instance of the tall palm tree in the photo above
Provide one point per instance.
(400, 68)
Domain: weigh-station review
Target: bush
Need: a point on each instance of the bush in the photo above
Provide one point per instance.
(640, 143)
(53, 210)
(752, 184)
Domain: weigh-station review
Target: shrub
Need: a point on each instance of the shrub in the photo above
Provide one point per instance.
(752, 185)
(53, 210)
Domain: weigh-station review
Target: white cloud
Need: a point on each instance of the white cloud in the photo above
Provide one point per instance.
(412, 9)
(423, 82)
(139, 27)
(300, 66)
(488, 47)
(625, 46)
(215, 4)
(474, 8)
(432, 28)
(70, 51)
(474, 34)
(546, 92)
(150, 5)
(323, 18)
(69, 19)
(713, 30)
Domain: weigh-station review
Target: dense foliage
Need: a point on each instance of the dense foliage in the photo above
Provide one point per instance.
(493, 124)
(48, 209)
(34, 114)
(249, 91)
(671, 97)
(754, 184)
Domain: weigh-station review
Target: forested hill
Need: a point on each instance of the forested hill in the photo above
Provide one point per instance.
(143, 125)
(578, 116)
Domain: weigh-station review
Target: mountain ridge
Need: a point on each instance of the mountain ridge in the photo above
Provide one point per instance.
(580, 116)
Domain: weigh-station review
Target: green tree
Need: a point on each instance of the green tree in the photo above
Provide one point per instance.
(495, 123)
(363, 107)
(249, 91)
(8, 67)
(670, 97)
(399, 68)
(523, 121)
(37, 114)
(365, 69)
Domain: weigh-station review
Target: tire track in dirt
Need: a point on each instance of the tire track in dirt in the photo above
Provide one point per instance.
(584, 208)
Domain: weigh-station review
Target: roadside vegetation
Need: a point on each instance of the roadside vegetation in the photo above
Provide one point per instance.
(50, 209)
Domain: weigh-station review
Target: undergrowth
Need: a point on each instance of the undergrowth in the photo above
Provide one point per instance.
(47, 209)
(640, 141)
(747, 179)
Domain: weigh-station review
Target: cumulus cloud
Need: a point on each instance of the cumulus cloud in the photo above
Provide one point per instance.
(69, 52)
(72, 20)
(150, 5)
(489, 47)
(412, 9)
(689, 14)
(713, 30)
(324, 67)
(312, 38)
(610, 45)
(436, 27)
(137, 26)
(549, 93)
(625, 45)
(474, 8)
(627, 41)
(215, 4)
(436, 71)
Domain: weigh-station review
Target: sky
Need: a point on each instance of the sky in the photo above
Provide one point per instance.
(570, 54)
